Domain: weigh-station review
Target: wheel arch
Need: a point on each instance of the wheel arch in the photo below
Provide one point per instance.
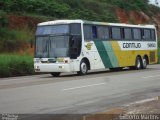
(139, 57)
(87, 62)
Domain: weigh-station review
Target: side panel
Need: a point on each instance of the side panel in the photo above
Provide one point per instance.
(91, 53)
(107, 54)
(122, 54)
(127, 52)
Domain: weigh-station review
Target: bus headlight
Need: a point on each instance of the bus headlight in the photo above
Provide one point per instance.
(36, 67)
(60, 59)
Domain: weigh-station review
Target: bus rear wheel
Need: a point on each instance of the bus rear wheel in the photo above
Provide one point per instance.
(83, 68)
(144, 63)
(55, 74)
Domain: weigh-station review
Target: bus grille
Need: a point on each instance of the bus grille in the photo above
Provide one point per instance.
(48, 61)
(152, 56)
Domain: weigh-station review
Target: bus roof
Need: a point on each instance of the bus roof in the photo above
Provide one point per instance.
(95, 23)
(59, 22)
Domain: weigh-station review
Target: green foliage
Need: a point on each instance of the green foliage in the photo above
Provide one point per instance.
(15, 65)
(12, 40)
(3, 19)
(97, 10)
(47, 7)
(60, 9)
(154, 9)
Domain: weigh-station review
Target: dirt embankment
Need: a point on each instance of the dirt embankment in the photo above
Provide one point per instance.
(27, 24)
(135, 17)
(23, 22)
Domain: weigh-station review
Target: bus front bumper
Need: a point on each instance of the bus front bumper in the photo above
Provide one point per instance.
(52, 67)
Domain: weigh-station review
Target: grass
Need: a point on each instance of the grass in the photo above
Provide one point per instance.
(15, 65)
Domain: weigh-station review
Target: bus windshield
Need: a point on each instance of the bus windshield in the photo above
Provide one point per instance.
(52, 46)
(54, 40)
(42, 47)
(59, 46)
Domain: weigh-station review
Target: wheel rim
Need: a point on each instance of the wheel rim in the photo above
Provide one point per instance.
(83, 68)
(138, 64)
(144, 63)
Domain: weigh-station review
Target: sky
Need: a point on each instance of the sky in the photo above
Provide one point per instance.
(153, 2)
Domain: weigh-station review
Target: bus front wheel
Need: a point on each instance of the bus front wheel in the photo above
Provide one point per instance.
(55, 74)
(83, 68)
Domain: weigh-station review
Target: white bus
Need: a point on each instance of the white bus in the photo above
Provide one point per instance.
(79, 46)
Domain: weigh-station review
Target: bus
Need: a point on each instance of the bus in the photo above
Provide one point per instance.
(80, 45)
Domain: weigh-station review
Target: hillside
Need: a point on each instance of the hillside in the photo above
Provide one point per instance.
(18, 18)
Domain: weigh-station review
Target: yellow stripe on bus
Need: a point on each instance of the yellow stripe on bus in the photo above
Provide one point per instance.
(128, 57)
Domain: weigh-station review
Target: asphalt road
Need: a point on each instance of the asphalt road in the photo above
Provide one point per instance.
(72, 94)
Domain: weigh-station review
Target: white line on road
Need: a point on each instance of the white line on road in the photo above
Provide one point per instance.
(142, 101)
(151, 76)
(83, 86)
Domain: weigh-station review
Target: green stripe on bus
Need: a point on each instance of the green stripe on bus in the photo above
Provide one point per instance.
(103, 54)
(111, 54)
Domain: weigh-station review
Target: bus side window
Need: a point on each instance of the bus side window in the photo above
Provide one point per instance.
(147, 34)
(88, 32)
(153, 34)
(102, 32)
(75, 29)
(142, 34)
(127, 33)
(94, 32)
(116, 33)
(136, 34)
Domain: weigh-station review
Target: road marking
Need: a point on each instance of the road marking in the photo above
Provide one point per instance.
(142, 101)
(79, 87)
(151, 76)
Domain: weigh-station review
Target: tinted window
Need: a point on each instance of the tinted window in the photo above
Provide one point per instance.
(76, 28)
(116, 34)
(42, 46)
(147, 34)
(153, 34)
(59, 46)
(94, 31)
(127, 33)
(87, 32)
(103, 32)
(136, 33)
(52, 29)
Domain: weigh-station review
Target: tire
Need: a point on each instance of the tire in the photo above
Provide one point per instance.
(138, 63)
(144, 63)
(83, 68)
(55, 74)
